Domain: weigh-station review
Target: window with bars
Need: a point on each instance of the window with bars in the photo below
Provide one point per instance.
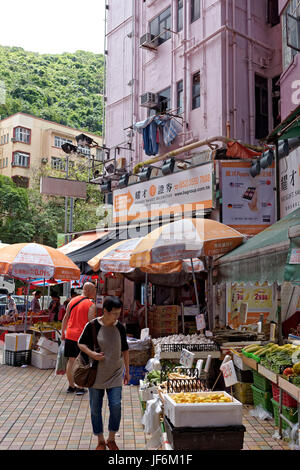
(21, 159)
(195, 10)
(159, 25)
(84, 150)
(196, 90)
(290, 32)
(59, 141)
(58, 163)
(21, 134)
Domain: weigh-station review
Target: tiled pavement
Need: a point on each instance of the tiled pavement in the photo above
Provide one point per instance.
(36, 413)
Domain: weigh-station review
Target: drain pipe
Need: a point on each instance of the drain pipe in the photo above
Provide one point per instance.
(187, 148)
(250, 76)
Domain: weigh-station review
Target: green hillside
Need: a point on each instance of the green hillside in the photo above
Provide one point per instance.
(65, 88)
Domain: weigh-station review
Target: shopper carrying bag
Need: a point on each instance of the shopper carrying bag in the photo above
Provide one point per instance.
(84, 371)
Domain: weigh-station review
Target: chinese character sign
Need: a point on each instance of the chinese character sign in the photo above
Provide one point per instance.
(229, 373)
(290, 182)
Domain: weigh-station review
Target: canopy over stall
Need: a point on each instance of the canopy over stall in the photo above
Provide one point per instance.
(266, 256)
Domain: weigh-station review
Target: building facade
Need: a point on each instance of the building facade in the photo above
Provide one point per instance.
(290, 78)
(28, 142)
(214, 63)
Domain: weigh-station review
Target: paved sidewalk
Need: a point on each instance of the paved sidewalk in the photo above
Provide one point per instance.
(36, 413)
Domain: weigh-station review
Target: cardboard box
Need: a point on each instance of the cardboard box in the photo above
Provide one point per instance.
(43, 361)
(47, 344)
(15, 342)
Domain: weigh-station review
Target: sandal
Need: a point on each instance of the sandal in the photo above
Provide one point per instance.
(101, 446)
(112, 445)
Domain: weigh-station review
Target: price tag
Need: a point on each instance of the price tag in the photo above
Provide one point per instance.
(187, 358)
(208, 333)
(243, 313)
(144, 333)
(200, 322)
(229, 374)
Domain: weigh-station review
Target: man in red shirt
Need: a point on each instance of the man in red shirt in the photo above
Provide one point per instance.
(79, 312)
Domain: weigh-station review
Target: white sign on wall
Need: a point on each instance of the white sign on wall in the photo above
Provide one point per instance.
(290, 182)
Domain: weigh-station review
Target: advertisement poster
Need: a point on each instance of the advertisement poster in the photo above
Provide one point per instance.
(248, 204)
(259, 301)
(182, 191)
(289, 182)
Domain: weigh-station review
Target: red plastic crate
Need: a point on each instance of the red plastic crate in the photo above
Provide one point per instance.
(287, 400)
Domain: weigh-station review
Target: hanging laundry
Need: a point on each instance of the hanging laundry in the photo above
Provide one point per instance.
(170, 131)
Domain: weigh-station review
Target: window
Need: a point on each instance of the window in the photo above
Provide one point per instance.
(195, 10)
(21, 159)
(2, 141)
(159, 24)
(273, 12)
(196, 91)
(58, 164)
(164, 100)
(290, 32)
(261, 107)
(21, 134)
(84, 150)
(179, 15)
(59, 141)
(180, 97)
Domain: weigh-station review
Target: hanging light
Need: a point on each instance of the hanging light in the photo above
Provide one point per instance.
(267, 159)
(69, 148)
(105, 186)
(168, 166)
(84, 140)
(145, 173)
(123, 181)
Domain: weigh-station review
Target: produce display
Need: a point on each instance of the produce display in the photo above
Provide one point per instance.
(283, 360)
(182, 339)
(195, 398)
(44, 326)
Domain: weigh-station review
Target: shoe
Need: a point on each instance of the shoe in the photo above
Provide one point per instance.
(101, 446)
(80, 391)
(112, 445)
(71, 390)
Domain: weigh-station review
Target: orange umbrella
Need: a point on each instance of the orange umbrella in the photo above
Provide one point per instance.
(33, 261)
(185, 238)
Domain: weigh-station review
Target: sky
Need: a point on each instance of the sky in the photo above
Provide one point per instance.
(53, 27)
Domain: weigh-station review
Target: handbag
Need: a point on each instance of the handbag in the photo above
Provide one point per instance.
(85, 373)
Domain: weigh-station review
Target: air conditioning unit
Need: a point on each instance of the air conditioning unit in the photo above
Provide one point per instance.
(148, 41)
(44, 160)
(149, 100)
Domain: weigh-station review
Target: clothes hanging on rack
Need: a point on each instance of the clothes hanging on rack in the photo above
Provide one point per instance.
(170, 131)
(150, 127)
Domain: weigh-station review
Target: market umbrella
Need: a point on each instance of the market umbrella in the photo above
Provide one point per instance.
(186, 238)
(116, 259)
(28, 261)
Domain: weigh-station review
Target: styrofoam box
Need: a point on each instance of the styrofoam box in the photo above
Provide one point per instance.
(46, 352)
(203, 414)
(47, 344)
(43, 361)
(15, 342)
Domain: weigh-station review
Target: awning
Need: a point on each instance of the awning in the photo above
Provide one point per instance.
(266, 256)
(288, 128)
(81, 241)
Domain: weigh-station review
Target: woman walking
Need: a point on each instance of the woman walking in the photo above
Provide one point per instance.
(111, 337)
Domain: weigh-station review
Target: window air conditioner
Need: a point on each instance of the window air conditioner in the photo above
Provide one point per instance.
(148, 41)
(149, 100)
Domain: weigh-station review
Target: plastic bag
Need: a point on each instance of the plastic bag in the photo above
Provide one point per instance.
(153, 364)
(151, 417)
(260, 413)
(61, 361)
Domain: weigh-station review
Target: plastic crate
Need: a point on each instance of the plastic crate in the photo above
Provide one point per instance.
(190, 347)
(290, 413)
(262, 398)
(261, 382)
(244, 376)
(287, 400)
(205, 438)
(243, 393)
(17, 358)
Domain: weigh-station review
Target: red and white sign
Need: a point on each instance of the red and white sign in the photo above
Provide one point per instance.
(229, 373)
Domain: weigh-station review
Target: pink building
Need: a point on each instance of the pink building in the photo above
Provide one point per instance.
(215, 63)
(290, 78)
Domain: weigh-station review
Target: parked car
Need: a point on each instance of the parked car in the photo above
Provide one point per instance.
(19, 300)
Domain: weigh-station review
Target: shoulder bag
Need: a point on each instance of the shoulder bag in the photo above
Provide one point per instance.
(85, 373)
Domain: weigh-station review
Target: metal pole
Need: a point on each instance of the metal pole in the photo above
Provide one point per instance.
(26, 307)
(195, 286)
(146, 300)
(280, 339)
(277, 182)
(43, 295)
(210, 294)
